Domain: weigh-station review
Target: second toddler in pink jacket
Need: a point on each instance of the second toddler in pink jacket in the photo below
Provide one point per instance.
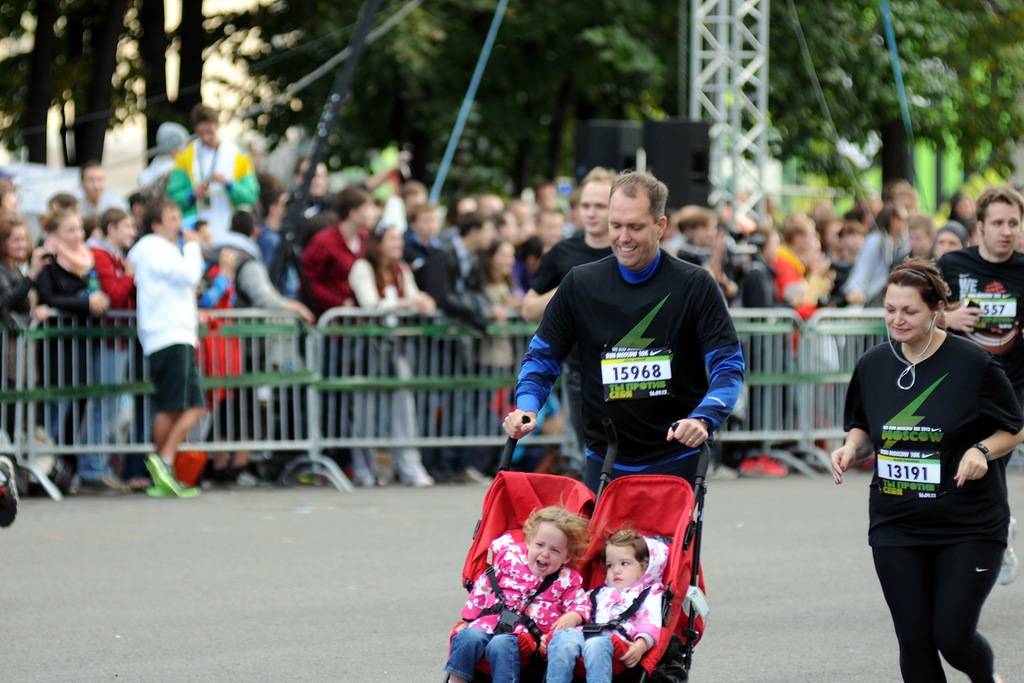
(633, 564)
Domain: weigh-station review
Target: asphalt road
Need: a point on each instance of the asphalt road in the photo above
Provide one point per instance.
(309, 584)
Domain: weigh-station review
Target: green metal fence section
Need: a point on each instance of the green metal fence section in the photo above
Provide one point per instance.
(374, 380)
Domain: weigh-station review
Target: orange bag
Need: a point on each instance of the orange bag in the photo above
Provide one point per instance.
(188, 466)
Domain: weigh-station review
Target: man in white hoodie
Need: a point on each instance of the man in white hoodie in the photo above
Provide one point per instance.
(166, 277)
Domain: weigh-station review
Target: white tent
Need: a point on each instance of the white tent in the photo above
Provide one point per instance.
(36, 183)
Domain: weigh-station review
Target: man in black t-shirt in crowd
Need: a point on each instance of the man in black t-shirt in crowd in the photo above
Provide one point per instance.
(658, 352)
(589, 244)
(988, 280)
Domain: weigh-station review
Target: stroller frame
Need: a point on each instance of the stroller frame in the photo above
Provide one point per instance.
(556, 489)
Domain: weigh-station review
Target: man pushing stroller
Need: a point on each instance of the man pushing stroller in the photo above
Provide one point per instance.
(659, 355)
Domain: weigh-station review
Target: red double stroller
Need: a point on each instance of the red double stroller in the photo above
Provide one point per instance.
(658, 506)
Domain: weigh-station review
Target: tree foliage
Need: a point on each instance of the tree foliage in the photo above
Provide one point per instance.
(551, 63)
(962, 63)
(99, 62)
(96, 64)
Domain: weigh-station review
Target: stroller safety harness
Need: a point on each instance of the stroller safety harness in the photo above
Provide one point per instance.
(509, 617)
(616, 624)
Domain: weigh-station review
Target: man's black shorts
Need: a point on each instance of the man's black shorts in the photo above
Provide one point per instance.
(176, 376)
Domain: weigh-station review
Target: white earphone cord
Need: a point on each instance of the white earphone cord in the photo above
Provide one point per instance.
(911, 368)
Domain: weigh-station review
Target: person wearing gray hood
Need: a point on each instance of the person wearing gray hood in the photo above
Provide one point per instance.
(252, 280)
(952, 236)
(240, 264)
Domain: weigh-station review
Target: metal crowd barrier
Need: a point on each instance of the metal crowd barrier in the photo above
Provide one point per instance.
(832, 341)
(12, 391)
(85, 388)
(796, 380)
(396, 380)
(370, 380)
(767, 418)
(399, 380)
(74, 376)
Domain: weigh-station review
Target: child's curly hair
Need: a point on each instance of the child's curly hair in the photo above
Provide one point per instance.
(572, 525)
(628, 538)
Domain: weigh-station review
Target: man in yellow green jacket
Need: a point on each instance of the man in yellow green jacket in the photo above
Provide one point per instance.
(211, 178)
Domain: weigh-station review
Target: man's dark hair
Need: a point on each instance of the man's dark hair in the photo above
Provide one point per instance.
(470, 222)
(244, 223)
(203, 114)
(91, 163)
(349, 199)
(698, 218)
(420, 209)
(111, 216)
(154, 213)
(888, 214)
(533, 246)
(1003, 194)
(62, 200)
(271, 189)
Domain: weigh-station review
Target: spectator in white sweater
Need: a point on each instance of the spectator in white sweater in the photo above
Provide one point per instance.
(166, 276)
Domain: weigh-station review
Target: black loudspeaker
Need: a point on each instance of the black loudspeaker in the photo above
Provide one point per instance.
(679, 155)
(611, 144)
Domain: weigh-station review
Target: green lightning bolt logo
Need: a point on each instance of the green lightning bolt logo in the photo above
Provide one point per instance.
(906, 417)
(635, 339)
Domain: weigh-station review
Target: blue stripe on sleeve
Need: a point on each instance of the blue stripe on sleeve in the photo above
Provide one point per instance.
(541, 367)
(725, 366)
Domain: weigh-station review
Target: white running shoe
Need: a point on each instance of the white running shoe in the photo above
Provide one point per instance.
(1011, 565)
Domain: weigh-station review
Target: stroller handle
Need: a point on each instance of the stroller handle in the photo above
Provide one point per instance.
(610, 455)
(703, 457)
(510, 446)
(703, 462)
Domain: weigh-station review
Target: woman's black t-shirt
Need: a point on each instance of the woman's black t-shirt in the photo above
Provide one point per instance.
(960, 396)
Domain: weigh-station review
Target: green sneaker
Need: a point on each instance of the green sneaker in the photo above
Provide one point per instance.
(158, 492)
(160, 472)
(164, 480)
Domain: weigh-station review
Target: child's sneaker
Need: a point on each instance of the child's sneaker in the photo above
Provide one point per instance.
(1010, 566)
(8, 492)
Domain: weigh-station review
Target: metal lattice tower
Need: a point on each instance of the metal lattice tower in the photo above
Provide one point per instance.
(729, 89)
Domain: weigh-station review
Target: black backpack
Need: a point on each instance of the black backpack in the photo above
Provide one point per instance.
(672, 667)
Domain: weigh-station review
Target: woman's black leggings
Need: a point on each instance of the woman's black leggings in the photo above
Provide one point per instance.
(935, 595)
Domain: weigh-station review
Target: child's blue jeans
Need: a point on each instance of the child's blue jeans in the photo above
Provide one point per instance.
(568, 644)
(471, 644)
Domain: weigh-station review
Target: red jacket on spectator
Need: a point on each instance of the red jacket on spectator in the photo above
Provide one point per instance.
(326, 262)
(113, 280)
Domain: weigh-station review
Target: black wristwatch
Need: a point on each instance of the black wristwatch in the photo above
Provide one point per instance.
(984, 450)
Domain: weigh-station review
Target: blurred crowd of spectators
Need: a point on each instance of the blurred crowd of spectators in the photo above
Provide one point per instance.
(380, 245)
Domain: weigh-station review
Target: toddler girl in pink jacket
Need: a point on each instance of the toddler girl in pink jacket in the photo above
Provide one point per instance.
(530, 589)
(626, 608)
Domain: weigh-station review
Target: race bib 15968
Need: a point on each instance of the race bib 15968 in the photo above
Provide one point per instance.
(636, 373)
